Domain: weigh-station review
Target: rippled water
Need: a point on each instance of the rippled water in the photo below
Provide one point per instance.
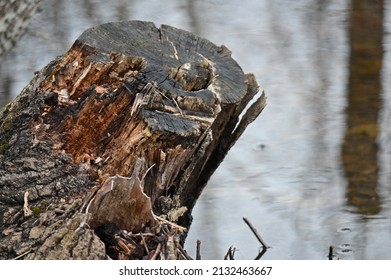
(313, 170)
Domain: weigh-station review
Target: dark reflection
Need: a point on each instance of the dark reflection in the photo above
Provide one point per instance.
(14, 19)
(192, 13)
(5, 89)
(123, 10)
(90, 10)
(359, 151)
(60, 30)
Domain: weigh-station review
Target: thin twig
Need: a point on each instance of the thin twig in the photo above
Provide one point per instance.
(179, 109)
(331, 255)
(198, 251)
(184, 254)
(227, 254)
(145, 244)
(261, 253)
(158, 248)
(253, 229)
(146, 172)
(22, 255)
(181, 229)
(230, 253)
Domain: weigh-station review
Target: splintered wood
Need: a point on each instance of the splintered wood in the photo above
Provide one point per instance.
(122, 202)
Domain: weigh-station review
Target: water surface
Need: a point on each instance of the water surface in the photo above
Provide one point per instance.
(313, 170)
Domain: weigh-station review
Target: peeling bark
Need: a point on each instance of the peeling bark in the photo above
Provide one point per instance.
(157, 105)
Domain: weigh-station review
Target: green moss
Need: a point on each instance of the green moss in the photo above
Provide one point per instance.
(44, 203)
(37, 210)
(3, 147)
(40, 208)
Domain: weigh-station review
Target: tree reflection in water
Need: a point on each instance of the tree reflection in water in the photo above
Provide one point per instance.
(360, 149)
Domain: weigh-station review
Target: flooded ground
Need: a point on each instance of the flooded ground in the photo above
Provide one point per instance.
(314, 170)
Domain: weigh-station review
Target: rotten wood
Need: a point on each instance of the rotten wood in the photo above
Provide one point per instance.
(124, 129)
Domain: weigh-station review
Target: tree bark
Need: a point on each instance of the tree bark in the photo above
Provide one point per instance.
(118, 136)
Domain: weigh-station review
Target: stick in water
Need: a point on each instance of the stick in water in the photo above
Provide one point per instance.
(253, 229)
(198, 255)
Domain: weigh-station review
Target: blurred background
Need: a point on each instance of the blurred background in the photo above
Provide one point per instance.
(313, 170)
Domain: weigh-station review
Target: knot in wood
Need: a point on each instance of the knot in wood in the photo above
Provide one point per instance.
(193, 76)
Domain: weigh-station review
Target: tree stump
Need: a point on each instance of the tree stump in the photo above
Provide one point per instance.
(114, 141)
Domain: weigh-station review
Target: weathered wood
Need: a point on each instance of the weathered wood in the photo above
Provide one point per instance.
(158, 105)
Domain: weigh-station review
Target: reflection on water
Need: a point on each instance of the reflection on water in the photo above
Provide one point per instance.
(359, 151)
(14, 19)
(314, 170)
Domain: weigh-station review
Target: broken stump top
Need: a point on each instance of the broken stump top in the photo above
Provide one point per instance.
(172, 57)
